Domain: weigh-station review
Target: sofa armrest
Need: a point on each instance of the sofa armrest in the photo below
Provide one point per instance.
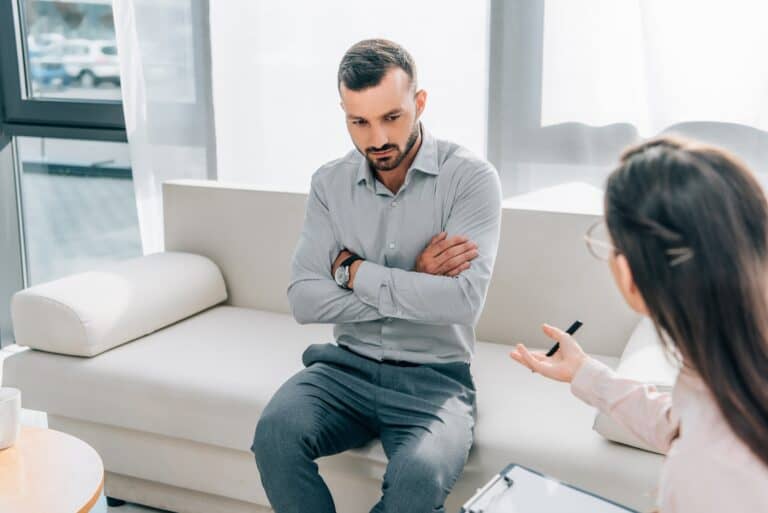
(88, 313)
(643, 360)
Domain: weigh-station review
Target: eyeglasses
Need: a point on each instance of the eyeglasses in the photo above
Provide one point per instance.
(599, 244)
(598, 241)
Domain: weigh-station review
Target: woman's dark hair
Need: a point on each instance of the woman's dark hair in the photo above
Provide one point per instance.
(692, 222)
(365, 64)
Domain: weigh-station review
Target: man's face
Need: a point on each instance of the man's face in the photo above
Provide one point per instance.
(383, 120)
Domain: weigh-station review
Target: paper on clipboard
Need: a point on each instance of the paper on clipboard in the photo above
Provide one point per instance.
(521, 490)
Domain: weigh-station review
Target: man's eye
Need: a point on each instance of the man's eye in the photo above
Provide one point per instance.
(392, 118)
(359, 122)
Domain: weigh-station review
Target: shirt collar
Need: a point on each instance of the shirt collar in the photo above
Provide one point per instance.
(425, 161)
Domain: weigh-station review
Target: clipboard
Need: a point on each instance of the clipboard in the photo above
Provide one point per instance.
(518, 489)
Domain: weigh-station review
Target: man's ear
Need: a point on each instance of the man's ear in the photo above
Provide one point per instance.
(625, 280)
(421, 101)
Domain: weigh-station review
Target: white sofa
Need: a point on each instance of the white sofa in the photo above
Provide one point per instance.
(203, 343)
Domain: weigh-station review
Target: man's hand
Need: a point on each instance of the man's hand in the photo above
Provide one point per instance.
(446, 256)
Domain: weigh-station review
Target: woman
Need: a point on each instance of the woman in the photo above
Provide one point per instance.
(687, 243)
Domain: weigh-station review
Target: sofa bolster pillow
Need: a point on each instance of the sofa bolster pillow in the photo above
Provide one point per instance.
(88, 313)
(643, 360)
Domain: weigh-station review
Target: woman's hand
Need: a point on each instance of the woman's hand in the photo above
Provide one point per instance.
(562, 366)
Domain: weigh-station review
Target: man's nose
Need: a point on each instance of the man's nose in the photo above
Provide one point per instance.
(378, 137)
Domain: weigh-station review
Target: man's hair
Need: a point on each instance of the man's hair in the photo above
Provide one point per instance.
(365, 64)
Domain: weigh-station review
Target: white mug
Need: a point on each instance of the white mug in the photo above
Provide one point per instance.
(10, 413)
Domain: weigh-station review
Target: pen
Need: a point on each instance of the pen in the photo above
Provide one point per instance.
(573, 329)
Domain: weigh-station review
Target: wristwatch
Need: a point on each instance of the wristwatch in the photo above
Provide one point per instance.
(342, 272)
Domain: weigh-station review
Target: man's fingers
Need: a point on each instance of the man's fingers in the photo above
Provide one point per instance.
(453, 251)
(457, 260)
(437, 238)
(458, 270)
(446, 243)
(455, 256)
(436, 258)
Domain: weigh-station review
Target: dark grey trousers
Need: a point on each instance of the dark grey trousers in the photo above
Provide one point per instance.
(424, 416)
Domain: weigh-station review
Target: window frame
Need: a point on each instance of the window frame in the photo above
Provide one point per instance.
(515, 133)
(42, 117)
(13, 275)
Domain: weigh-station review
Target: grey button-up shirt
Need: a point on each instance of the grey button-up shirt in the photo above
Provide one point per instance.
(395, 313)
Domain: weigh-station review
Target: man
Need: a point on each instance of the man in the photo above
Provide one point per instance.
(397, 250)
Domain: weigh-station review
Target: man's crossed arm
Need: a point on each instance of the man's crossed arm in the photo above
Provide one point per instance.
(448, 285)
(443, 256)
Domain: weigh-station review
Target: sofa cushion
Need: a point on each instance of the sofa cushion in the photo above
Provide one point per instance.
(88, 313)
(207, 379)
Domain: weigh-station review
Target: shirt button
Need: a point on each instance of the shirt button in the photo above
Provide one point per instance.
(394, 203)
(391, 245)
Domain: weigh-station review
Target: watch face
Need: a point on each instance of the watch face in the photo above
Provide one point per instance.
(342, 276)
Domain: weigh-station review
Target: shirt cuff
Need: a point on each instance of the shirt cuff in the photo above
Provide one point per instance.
(590, 379)
(370, 279)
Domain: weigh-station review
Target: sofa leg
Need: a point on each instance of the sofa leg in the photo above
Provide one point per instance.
(114, 503)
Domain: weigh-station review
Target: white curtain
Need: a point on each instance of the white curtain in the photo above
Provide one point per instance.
(655, 63)
(273, 67)
(575, 82)
(165, 79)
(550, 91)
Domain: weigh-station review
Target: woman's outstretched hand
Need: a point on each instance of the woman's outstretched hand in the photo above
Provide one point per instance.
(562, 366)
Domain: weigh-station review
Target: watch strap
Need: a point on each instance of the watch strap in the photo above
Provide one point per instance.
(350, 260)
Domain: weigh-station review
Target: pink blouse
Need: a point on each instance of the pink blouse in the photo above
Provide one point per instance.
(707, 468)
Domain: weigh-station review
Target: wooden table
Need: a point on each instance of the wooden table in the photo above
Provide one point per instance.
(49, 471)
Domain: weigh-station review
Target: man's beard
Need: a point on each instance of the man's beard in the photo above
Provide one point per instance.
(390, 163)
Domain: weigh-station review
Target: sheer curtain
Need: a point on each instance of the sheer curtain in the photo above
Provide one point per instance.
(578, 81)
(277, 109)
(655, 63)
(165, 75)
(269, 68)
(550, 91)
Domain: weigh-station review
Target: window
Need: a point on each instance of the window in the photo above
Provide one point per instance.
(60, 66)
(66, 189)
(70, 49)
(573, 83)
(78, 205)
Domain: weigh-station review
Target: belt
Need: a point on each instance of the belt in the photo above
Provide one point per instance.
(396, 363)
